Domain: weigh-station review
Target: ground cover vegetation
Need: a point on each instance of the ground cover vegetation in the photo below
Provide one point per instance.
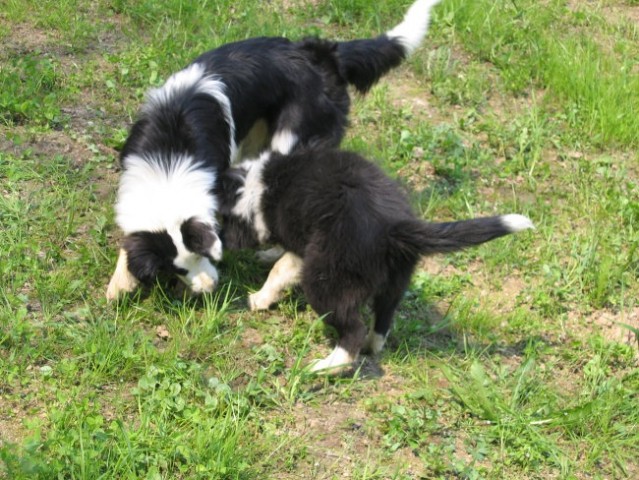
(515, 360)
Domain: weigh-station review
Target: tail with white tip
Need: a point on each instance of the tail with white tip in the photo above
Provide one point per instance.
(411, 32)
(415, 237)
(364, 62)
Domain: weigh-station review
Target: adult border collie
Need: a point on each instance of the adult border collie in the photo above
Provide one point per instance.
(349, 233)
(234, 101)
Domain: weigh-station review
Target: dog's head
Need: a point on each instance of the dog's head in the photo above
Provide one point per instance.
(166, 209)
(237, 210)
(187, 251)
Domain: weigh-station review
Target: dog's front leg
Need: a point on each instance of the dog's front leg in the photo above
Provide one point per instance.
(122, 280)
(286, 272)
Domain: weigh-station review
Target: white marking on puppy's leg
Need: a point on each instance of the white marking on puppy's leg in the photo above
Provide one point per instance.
(271, 255)
(286, 272)
(338, 359)
(283, 141)
(515, 222)
(374, 342)
(122, 281)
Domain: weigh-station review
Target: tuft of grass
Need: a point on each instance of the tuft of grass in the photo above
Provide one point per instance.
(34, 101)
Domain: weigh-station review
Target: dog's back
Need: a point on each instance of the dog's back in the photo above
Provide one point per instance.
(336, 201)
(350, 210)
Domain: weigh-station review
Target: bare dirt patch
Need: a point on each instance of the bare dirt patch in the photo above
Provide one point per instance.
(11, 429)
(46, 145)
(26, 39)
(341, 438)
(288, 4)
(607, 323)
(408, 93)
(418, 173)
(15, 410)
(613, 11)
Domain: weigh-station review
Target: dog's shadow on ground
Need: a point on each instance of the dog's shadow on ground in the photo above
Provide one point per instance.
(421, 329)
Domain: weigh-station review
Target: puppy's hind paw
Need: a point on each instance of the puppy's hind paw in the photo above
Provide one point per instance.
(336, 362)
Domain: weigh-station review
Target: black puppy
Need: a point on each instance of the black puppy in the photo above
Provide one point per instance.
(349, 236)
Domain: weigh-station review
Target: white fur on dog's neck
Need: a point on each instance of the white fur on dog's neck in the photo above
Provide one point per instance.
(154, 197)
(249, 204)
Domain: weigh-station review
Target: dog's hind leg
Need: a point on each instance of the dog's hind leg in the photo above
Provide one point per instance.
(339, 298)
(351, 333)
(122, 281)
(286, 272)
(384, 305)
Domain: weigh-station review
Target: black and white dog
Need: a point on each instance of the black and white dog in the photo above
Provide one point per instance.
(237, 100)
(349, 234)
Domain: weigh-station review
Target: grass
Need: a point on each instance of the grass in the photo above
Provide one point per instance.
(514, 360)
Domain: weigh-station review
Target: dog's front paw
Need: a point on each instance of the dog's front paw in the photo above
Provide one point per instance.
(121, 282)
(259, 301)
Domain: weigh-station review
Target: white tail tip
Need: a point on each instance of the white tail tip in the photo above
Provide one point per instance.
(413, 28)
(515, 222)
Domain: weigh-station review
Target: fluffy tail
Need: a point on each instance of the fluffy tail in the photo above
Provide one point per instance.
(364, 62)
(414, 237)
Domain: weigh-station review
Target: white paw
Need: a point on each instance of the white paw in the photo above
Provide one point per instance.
(338, 360)
(121, 282)
(112, 292)
(260, 301)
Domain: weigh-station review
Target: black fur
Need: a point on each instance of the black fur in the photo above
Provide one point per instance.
(150, 254)
(354, 230)
(197, 236)
(301, 86)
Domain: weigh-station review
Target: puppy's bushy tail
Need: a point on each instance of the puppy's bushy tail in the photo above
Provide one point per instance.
(364, 62)
(412, 238)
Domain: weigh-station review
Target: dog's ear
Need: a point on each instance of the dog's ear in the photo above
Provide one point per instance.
(149, 253)
(228, 189)
(201, 238)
